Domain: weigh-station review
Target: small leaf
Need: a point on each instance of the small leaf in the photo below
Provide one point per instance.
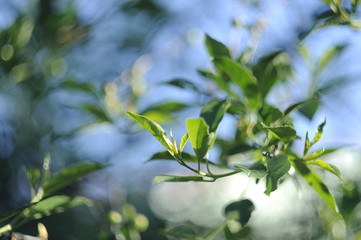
(277, 167)
(270, 114)
(314, 155)
(184, 84)
(284, 133)
(309, 108)
(186, 157)
(98, 112)
(318, 185)
(242, 78)
(294, 107)
(168, 178)
(326, 166)
(199, 135)
(307, 145)
(240, 211)
(319, 132)
(69, 175)
(79, 86)
(155, 129)
(256, 173)
(213, 113)
(331, 53)
(183, 141)
(215, 48)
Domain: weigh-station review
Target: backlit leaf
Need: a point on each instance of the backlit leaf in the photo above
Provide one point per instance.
(155, 129)
(183, 141)
(318, 185)
(213, 113)
(69, 175)
(215, 48)
(326, 166)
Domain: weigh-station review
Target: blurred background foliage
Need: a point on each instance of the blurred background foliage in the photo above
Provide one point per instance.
(71, 69)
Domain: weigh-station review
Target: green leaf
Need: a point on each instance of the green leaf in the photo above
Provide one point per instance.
(314, 155)
(184, 84)
(55, 204)
(277, 167)
(318, 185)
(240, 211)
(213, 113)
(309, 108)
(284, 133)
(256, 173)
(168, 178)
(319, 132)
(69, 175)
(199, 135)
(270, 114)
(326, 166)
(168, 107)
(186, 157)
(242, 78)
(79, 86)
(215, 48)
(98, 112)
(181, 232)
(33, 175)
(307, 145)
(331, 53)
(183, 141)
(155, 129)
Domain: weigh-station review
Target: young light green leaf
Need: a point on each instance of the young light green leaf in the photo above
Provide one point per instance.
(69, 175)
(307, 145)
(329, 55)
(319, 132)
(155, 129)
(199, 135)
(284, 133)
(183, 141)
(213, 113)
(318, 185)
(277, 167)
(315, 155)
(168, 178)
(326, 166)
(255, 173)
(215, 48)
(240, 76)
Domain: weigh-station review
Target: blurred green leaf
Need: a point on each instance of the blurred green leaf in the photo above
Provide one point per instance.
(168, 178)
(213, 113)
(199, 135)
(314, 155)
(79, 86)
(98, 112)
(284, 133)
(181, 232)
(307, 145)
(167, 107)
(270, 69)
(69, 175)
(33, 175)
(240, 211)
(319, 132)
(277, 167)
(331, 53)
(326, 166)
(309, 108)
(255, 173)
(243, 233)
(270, 114)
(242, 78)
(215, 48)
(318, 185)
(184, 84)
(155, 129)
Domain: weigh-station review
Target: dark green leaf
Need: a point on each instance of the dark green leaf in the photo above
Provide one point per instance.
(69, 175)
(168, 107)
(243, 233)
(33, 176)
(309, 108)
(294, 107)
(98, 112)
(319, 132)
(284, 133)
(240, 211)
(168, 178)
(155, 129)
(318, 185)
(240, 76)
(326, 166)
(199, 135)
(186, 157)
(215, 48)
(213, 113)
(270, 114)
(314, 155)
(277, 167)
